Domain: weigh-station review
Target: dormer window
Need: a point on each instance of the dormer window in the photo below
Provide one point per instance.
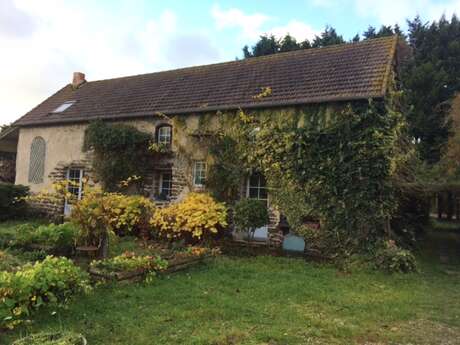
(164, 135)
(64, 106)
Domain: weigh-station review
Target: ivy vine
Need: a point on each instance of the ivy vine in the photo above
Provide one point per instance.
(120, 151)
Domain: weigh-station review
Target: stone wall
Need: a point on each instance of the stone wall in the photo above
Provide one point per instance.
(64, 150)
(7, 167)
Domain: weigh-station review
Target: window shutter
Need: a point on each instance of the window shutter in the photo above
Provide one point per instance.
(37, 160)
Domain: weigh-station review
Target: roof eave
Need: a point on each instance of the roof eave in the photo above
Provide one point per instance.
(259, 105)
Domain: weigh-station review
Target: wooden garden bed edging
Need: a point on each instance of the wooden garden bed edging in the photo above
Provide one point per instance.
(181, 265)
(138, 275)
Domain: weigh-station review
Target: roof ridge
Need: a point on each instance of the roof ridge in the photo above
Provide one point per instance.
(350, 71)
(254, 59)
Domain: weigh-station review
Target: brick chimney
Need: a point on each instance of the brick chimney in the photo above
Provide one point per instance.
(78, 79)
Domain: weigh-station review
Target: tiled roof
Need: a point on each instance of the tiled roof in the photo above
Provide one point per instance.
(335, 73)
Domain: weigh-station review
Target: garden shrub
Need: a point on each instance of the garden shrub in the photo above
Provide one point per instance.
(9, 262)
(12, 204)
(129, 261)
(55, 338)
(249, 215)
(32, 255)
(196, 217)
(51, 281)
(100, 212)
(393, 259)
(59, 237)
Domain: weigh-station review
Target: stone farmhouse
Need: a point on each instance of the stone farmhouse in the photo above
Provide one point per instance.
(47, 141)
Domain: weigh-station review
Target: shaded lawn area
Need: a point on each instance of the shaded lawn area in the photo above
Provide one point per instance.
(269, 300)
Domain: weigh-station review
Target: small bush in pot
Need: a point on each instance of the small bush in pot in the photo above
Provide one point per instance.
(249, 215)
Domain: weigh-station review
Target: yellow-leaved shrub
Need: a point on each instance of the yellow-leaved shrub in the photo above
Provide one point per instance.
(196, 217)
(99, 212)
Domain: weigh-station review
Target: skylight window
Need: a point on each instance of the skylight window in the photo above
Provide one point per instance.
(64, 106)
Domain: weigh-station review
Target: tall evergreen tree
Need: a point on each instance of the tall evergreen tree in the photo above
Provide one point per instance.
(289, 43)
(267, 44)
(328, 37)
(430, 80)
(356, 38)
(371, 32)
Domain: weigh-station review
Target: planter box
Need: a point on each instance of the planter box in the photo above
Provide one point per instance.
(137, 275)
(175, 265)
(184, 263)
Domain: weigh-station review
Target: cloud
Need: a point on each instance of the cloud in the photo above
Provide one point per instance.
(252, 26)
(80, 36)
(387, 12)
(192, 49)
(249, 24)
(295, 28)
(437, 10)
(14, 21)
(390, 12)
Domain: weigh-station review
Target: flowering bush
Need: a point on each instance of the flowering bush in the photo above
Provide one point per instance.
(392, 259)
(129, 262)
(51, 281)
(197, 216)
(99, 212)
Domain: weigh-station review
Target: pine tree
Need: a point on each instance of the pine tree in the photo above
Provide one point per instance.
(370, 33)
(328, 37)
(289, 43)
(266, 45)
(430, 81)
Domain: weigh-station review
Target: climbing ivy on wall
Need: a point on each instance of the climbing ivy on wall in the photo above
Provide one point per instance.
(339, 164)
(344, 166)
(120, 151)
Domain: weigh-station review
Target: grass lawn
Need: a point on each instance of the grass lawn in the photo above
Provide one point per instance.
(269, 300)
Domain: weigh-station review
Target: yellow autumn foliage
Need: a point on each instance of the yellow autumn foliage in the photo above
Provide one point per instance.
(197, 216)
(100, 211)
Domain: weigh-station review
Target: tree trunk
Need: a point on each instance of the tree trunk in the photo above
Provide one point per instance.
(457, 207)
(440, 205)
(450, 205)
(104, 250)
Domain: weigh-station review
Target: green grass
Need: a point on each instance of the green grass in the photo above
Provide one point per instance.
(445, 225)
(268, 300)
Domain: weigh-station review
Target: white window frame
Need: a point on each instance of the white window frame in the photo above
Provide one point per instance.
(201, 171)
(64, 106)
(165, 138)
(68, 203)
(160, 187)
(248, 187)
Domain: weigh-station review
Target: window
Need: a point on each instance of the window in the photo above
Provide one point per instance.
(164, 134)
(37, 160)
(199, 173)
(75, 187)
(257, 187)
(64, 106)
(75, 177)
(165, 184)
